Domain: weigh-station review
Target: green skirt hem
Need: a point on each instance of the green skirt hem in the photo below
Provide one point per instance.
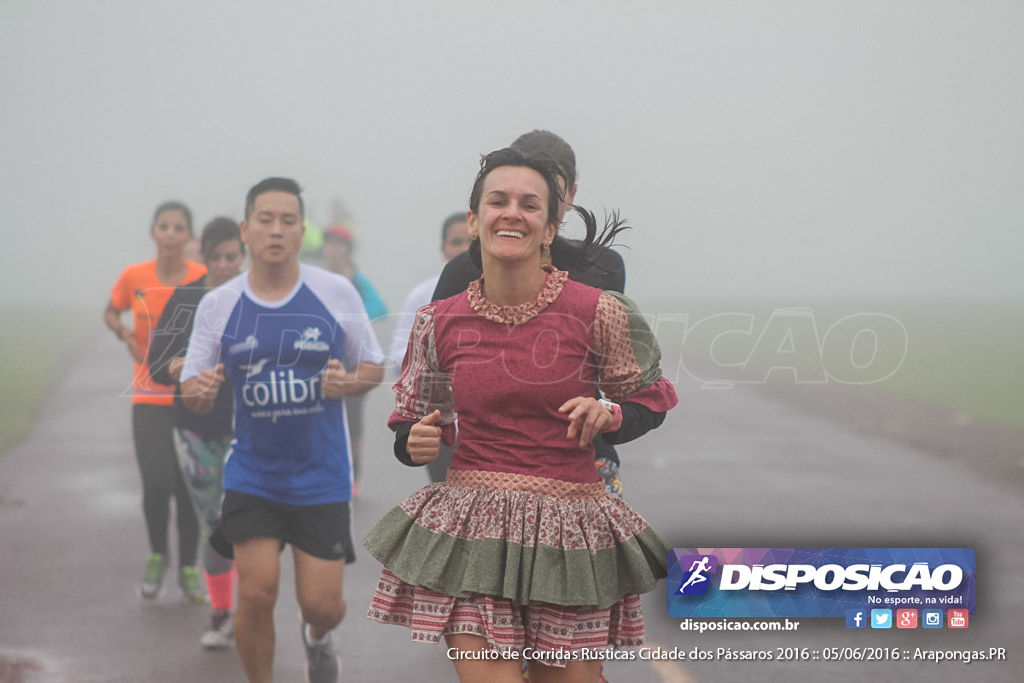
(523, 574)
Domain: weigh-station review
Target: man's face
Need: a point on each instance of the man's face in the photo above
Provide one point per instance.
(273, 230)
(456, 240)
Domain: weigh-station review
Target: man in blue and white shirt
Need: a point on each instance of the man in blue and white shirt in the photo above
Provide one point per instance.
(294, 340)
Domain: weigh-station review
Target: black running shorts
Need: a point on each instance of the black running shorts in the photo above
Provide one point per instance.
(323, 531)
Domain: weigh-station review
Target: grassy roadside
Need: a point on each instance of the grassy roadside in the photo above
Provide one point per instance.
(968, 359)
(964, 357)
(33, 351)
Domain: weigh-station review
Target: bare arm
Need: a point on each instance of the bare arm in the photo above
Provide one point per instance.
(338, 382)
(112, 318)
(199, 392)
(174, 368)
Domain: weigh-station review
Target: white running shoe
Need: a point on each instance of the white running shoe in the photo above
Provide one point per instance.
(322, 664)
(221, 632)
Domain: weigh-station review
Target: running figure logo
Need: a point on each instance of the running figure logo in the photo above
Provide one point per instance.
(696, 581)
(254, 369)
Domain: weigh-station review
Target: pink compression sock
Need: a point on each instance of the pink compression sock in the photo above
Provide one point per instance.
(221, 588)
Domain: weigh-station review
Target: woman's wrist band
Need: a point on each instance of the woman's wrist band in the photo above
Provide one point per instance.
(616, 411)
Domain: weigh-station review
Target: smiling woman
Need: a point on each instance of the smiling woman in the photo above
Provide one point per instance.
(523, 506)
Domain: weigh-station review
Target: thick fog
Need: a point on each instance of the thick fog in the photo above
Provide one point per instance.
(784, 149)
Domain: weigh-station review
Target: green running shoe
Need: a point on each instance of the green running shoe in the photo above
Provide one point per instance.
(190, 588)
(153, 583)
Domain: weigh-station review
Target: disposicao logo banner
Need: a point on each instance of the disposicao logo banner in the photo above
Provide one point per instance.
(817, 582)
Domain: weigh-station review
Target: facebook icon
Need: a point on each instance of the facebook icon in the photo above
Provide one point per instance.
(856, 618)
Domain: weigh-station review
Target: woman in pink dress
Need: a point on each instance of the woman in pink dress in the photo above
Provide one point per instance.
(522, 553)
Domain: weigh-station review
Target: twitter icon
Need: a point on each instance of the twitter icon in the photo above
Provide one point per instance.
(881, 618)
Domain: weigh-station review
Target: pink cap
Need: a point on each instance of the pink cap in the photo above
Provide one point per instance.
(340, 231)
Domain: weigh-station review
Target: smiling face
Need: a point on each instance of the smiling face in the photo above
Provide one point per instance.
(171, 231)
(273, 230)
(511, 219)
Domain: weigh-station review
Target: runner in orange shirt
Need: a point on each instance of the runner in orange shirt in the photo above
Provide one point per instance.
(144, 288)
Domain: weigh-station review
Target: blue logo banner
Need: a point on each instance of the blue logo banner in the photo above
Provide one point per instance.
(818, 582)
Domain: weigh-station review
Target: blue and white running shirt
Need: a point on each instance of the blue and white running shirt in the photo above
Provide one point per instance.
(291, 444)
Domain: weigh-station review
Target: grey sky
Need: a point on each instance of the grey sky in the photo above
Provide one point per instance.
(781, 149)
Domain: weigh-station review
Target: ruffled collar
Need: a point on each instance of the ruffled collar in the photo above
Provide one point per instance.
(517, 315)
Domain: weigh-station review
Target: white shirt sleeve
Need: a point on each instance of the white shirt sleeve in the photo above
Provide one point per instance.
(208, 329)
(420, 296)
(342, 299)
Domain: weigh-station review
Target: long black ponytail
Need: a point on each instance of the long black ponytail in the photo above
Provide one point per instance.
(575, 255)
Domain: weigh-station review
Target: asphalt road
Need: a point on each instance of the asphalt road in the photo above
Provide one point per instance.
(729, 468)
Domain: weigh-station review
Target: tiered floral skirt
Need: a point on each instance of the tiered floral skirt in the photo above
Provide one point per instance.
(521, 561)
